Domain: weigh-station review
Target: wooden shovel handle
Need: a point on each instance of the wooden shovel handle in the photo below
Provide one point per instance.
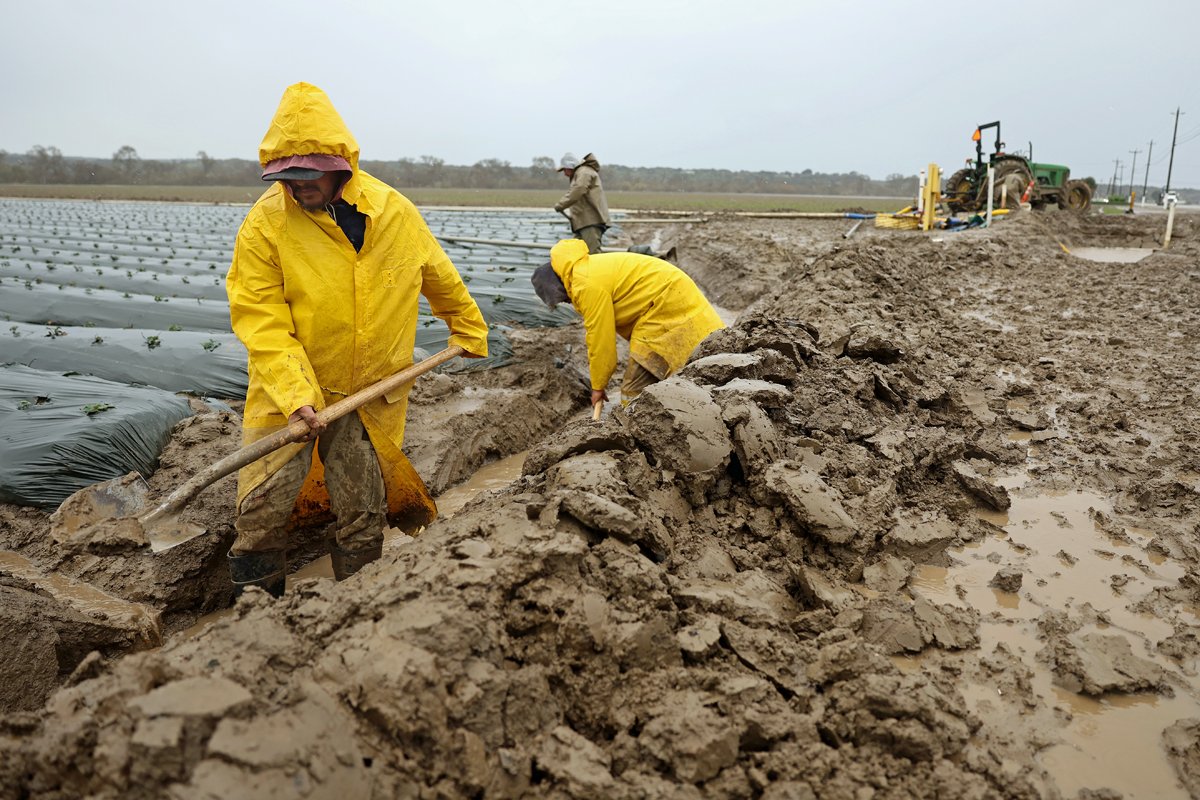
(294, 432)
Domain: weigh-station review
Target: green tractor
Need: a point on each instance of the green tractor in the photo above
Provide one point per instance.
(966, 190)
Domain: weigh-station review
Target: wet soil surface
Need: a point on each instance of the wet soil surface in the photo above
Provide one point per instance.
(923, 523)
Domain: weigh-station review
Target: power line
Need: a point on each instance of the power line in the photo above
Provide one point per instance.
(1189, 138)
(1192, 132)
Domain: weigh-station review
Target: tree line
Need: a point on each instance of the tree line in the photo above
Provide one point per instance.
(47, 165)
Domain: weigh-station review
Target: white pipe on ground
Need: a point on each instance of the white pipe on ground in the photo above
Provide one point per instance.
(991, 185)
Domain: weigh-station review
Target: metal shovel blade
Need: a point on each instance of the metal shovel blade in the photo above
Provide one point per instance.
(105, 519)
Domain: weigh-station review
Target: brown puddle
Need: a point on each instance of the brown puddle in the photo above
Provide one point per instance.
(1068, 561)
(495, 475)
(1112, 255)
(85, 598)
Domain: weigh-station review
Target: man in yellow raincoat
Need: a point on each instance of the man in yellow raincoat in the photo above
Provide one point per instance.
(323, 291)
(650, 302)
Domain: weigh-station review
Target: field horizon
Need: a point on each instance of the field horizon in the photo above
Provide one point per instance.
(500, 198)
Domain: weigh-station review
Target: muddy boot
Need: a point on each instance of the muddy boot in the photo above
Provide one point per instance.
(266, 570)
(348, 562)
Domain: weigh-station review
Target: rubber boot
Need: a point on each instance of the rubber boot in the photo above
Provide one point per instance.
(348, 562)
(266, 570)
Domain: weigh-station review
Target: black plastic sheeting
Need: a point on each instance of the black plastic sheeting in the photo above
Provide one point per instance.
(50, 446)
(147, 265)
(500, 350)
(178, 361)
(61, 304)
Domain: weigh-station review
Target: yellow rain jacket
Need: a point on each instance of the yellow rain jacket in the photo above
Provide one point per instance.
(322, 321)
(646, 300)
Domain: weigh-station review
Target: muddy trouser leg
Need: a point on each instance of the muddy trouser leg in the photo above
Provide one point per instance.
(259, 553)
(356, 494)
(636, 379)
(591, 235)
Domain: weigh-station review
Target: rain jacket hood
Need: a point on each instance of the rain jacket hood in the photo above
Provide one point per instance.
(652, 303)
(322, 320)
(306, 123)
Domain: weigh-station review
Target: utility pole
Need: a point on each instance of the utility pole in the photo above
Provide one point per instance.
(1171, 162)
(1121, 177)
(1146, 181)
(1132, 178)
(1116, 163)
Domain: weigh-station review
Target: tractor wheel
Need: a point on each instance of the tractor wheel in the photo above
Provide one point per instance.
(1078, 196)
(957, 193)
(1011, 180)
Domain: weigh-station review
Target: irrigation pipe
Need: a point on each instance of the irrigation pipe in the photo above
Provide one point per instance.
(503, 243)
(626, 221)
(803, 215)
(495, 242)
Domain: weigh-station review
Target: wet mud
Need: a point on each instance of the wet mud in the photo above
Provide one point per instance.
(922, 523)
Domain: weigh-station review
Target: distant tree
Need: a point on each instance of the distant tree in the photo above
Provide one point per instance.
(490, 172)
(541, 169)
(126, 161)
(430, 172)
(88, 171)
(206, 163)
(1090, 181)
(46, 164)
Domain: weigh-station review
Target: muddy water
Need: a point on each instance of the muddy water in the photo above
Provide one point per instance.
(1112, 255)
(85, 598)
(1068, 562)
(495, 475)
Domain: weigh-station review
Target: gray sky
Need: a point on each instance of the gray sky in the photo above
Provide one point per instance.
(877, 87)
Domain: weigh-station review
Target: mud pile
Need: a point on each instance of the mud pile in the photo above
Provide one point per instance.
(663, 600)
(64, 603)
(722, 590)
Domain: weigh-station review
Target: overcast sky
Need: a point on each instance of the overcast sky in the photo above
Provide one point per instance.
(877, 87)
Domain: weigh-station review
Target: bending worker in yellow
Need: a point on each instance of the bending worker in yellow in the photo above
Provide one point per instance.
(323, 291)
(652, 303)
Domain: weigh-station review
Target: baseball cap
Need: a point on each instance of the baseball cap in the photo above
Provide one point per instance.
(304, 168)
(568, 161)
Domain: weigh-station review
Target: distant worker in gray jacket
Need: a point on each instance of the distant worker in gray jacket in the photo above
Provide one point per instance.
(584, 203)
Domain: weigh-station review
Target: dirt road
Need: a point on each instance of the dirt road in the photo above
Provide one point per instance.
(923, 523)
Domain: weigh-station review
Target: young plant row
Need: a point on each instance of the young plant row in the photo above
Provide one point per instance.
(133, 281)
(201, 363)
(59, 304)
(32, 244)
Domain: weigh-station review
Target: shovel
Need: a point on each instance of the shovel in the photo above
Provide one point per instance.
(110, 517)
